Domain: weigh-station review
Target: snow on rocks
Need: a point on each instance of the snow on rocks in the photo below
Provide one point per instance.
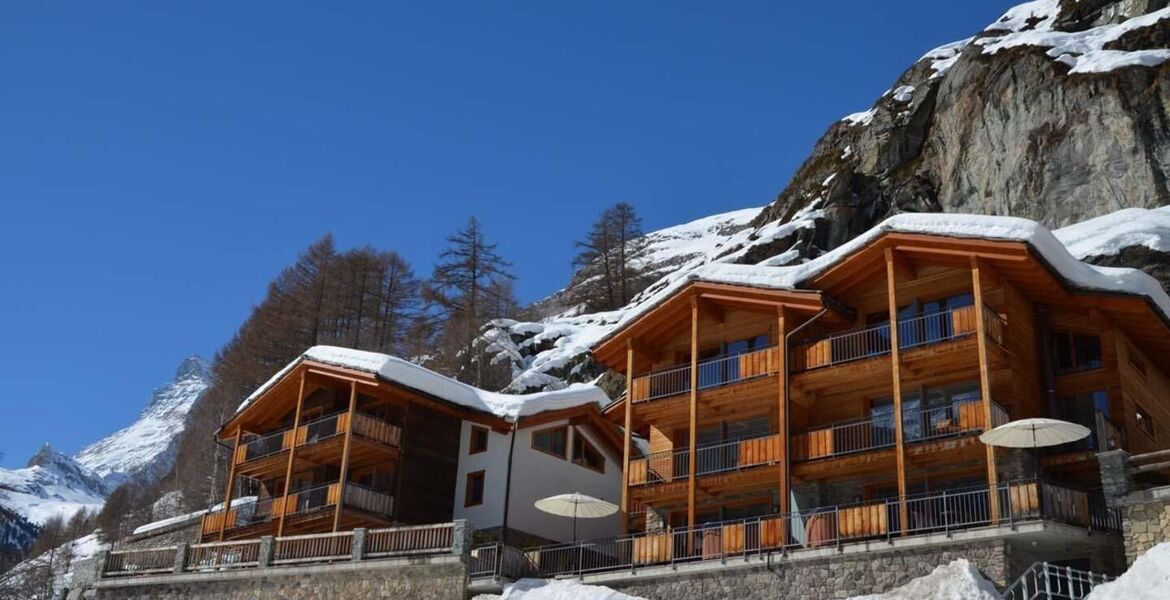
(944, 57)
(1031, 24)
(405, 373)
(555, 589)
(959, 580)
(864, 117)
(1147, 579)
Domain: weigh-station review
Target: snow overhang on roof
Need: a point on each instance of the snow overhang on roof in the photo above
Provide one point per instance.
(407, 374)
(1077, 274)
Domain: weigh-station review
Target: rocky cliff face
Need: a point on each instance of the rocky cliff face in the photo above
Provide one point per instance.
(1057, 112)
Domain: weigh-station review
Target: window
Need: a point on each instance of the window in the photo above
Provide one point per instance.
(473, 495)
(551, 441)
(479, 439)
(1144, 422)
(1074, 352)
(585, 454)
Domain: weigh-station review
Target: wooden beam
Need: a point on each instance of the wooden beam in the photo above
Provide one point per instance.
(896, 373)
(985, 384)
(345, 455)
(782, 414)
(627, 438)
(694, 420)
(227, 495)
(291, 453)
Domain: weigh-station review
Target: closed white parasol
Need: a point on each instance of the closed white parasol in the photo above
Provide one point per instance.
(576, 505)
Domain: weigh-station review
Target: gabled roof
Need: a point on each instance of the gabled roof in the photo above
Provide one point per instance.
(1075, 274)
(395, 370)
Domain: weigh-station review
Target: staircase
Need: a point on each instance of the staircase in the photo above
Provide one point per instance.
(1045, 581)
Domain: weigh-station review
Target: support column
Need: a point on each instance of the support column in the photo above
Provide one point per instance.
(345, 455)
(782, 413)
(985, 385)
(628, 436)
(227, 495)
(694, 416)
(896, 368)
(288, 471)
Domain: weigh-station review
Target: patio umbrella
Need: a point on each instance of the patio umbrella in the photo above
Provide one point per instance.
(576, 505)
(1034, 434)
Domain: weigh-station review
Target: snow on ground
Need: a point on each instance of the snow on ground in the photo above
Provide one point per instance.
(959, 580)
(162, 523)
(556, 589)
(82, 548)
(1109, 234)
(408, 374)
(42, 491)
(1031, 24)
(1147, 579)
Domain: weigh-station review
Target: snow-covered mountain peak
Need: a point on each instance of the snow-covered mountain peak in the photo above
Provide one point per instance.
(146, 447)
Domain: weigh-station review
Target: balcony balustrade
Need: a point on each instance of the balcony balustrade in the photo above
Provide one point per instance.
(316, 431)
(301, 502)
(712, 373)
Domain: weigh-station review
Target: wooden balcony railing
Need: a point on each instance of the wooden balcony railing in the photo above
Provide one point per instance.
(935, 512)
(874, 340)
(878, 432)
(304, 501)
(734, 455)
(319, 430)
(714, 372)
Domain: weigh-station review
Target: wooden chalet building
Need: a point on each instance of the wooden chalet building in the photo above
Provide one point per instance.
(341, 439)
(761, 391)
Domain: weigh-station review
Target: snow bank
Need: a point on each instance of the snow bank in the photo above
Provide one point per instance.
(405, 373)
(1147, 579)
(1031, 24)
(163, 523)
(1109, 234)
(555, 589)
(956, 581)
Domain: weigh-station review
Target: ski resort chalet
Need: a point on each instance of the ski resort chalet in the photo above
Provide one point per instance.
(843, 399)
(342, 439)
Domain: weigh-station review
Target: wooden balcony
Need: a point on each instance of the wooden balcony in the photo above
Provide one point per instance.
(913, 332)
(736, 455)
(261, 517)
(712, 373)
(840, 439)
(269, 450)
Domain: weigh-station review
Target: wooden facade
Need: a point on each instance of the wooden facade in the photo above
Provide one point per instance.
(329, 449)
(754, 402)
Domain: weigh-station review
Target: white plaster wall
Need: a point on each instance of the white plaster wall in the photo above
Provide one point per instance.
(535, 475)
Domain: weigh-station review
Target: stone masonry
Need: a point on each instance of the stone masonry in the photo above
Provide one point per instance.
(1145, 512)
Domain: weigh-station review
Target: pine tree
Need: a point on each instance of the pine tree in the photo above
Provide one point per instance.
(470, 285)
(608, 260)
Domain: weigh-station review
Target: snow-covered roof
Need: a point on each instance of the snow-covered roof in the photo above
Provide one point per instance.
(1078, 274)
(407, 374)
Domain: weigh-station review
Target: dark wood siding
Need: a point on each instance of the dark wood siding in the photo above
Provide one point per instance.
(430, 464)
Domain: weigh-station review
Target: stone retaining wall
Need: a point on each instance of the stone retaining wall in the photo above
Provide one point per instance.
(817, 579)
(436, 578)
(1146, 523)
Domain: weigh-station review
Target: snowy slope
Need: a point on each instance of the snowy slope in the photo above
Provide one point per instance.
(1147, 579)
(147, 446)
(51, 484)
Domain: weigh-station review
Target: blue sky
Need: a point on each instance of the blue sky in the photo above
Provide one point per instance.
(159, 164)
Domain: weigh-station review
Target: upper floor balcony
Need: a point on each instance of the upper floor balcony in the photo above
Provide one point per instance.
(913, 332)
(712, 373)
(317, 431)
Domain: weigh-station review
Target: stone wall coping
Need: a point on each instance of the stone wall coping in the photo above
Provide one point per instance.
(297, 570)
(873, 547)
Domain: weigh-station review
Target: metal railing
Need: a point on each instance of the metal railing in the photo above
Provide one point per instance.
(669, 465)
(357, 544)
(712, 373)
(317, 430)
(1051, 582)
(140, 562)
(419, 539)
(936, 512)
(874, 340)
(221, 555)
(500, 560)
(263, 446)
(878, 432)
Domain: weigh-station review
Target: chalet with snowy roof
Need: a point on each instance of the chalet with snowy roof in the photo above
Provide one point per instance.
(842, 399)
(342, 438)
